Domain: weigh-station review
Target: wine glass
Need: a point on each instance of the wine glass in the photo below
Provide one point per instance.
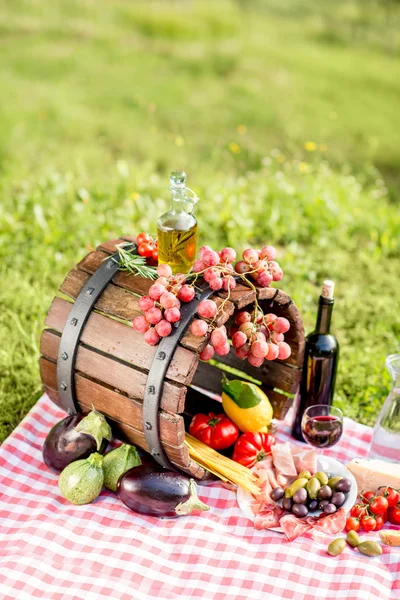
(322, 425)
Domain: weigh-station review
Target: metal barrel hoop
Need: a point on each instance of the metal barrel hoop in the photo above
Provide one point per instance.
(155, 379)
(80, 312)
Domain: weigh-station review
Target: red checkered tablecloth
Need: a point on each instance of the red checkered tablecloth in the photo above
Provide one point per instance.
(53, 550)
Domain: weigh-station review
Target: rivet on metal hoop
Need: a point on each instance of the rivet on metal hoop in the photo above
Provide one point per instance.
(64, 356)
(148, 425)
(63, 386)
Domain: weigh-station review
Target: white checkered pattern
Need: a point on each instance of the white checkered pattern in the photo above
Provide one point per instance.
(53, 550)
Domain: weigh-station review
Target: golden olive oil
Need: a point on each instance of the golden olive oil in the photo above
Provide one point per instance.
(177, 248)
(177, 229)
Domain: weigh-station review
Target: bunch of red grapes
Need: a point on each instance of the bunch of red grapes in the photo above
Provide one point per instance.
(254, 336)
(216, 268)
(260, 265)
(161, 305)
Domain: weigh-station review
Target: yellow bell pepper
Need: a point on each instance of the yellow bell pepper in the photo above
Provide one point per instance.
(246, 405)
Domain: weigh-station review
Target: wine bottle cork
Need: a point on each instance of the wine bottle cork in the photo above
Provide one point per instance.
(327, 289)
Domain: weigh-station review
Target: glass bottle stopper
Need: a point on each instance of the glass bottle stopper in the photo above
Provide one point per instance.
(178, 179)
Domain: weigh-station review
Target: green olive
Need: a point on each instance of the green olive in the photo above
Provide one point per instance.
(370, 548)
(353, 539)
(304, 475)
(333, 481)
(312, 487)
(322, 477)
(337, 546)
(287, 493)
(296, 485)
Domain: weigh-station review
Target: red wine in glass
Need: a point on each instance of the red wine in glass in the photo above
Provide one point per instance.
(322, 426)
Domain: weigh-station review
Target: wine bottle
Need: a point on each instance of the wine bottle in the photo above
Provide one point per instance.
(320, 361)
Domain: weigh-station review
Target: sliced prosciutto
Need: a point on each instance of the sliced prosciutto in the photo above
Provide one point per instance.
(269, 517)
(283, 460)
(304, 459)
(331, 523)
(293, 527)
(265, 470)
(262, 470)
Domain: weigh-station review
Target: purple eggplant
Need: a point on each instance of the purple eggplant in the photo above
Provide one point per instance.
(155, 491)
(75, 438)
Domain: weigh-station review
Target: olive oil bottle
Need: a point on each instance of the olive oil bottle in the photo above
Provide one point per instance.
(177, 229)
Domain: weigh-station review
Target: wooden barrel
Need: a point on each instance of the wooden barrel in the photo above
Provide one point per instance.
(113, 361)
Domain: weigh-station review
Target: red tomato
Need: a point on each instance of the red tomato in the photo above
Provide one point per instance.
(143, 237)
(394, 514)
(378, 505)
(145, 249)
(380, 521)
(358, 510)
(392, 496)
(352, 524)
(366, 496)
(154, 254)
(217, 431)
(252, 447)
(368, 523)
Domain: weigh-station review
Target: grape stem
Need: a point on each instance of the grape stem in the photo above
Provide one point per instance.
(257, 307)
(224, 271)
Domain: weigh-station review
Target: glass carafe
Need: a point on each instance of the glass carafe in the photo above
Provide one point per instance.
(177, 229)
(386, 436)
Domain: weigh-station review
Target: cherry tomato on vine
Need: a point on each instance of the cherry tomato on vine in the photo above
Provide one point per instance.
(366, 496)
(368, 523)
(378, 505)
(380, 521)
(358, 510)
(352, 524)
(392, 496)
(145, 249)
(143, 237)
(394, 514)
(154, 254)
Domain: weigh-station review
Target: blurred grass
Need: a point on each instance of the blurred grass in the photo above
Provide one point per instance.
(100, 100)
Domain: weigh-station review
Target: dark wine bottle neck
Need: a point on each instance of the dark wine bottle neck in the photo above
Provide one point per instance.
(324, 317)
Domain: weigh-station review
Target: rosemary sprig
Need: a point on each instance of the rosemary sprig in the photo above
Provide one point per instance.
(133, 263)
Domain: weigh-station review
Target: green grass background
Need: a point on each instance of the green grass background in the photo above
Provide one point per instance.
(284, 115)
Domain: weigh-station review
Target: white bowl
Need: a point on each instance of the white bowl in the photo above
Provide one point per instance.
(324, 463)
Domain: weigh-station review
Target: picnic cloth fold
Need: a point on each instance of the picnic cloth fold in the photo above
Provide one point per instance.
(53, 550)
